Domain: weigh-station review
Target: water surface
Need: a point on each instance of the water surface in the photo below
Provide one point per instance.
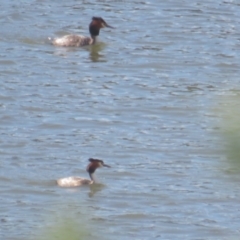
(141, 99)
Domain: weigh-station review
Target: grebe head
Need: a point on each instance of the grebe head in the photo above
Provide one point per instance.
(94, 164)
(95, 26)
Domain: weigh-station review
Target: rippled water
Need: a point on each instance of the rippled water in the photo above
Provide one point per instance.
(141, 99)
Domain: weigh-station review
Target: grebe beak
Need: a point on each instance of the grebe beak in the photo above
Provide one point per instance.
(106, 25)
(105, 165)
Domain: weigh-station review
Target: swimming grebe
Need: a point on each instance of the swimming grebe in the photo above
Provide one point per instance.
(77, 40)
(78, 181)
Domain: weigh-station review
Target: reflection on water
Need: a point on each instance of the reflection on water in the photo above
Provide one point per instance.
(94, 188)
(95, 52)
(65, 51)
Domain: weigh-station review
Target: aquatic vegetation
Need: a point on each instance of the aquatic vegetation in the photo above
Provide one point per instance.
(230, 129)
(66, 230)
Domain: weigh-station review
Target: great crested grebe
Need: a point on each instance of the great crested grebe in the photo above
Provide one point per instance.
(77, 40)
(78, 181)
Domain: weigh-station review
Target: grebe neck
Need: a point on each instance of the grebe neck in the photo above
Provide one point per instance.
(92, 177)
(94, 38)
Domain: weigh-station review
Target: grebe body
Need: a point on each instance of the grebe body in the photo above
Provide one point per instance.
(78, 181)
(73, 182)
(77, 40)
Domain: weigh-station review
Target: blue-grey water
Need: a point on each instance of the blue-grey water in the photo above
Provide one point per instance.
(142, 99)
